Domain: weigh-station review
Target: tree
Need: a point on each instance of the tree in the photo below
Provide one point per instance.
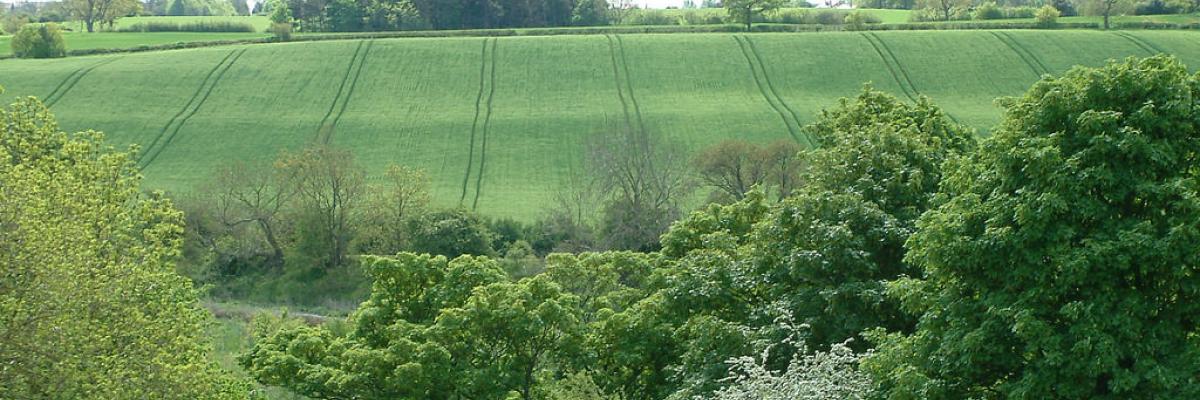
(783, 165)
(431, 329)
(329, 187)
(451, 233)
(731, 166)
(646, 178)
(93, 11)
(1060, 261)
(403, 197)
(590, 13)
(39, 41)
(177, 8)
(90, 304)
(744, 11)
(943, 8)
(1106, 8)
(253, 194)
(507, 333)
(734, 166)
(240, 7)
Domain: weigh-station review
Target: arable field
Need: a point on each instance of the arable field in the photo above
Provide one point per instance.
(501, 123)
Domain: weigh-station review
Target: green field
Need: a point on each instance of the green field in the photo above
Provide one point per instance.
(534, 102)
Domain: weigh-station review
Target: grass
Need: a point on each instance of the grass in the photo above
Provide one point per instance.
(504, 142)
(231, 338)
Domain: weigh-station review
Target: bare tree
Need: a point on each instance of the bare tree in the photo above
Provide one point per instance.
(644, 180)
(403, 196)
(255, 194)
(782, 161)
(105, 11)
(733, 167)
(329, 187)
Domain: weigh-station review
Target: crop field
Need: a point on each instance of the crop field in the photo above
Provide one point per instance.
(501, 123)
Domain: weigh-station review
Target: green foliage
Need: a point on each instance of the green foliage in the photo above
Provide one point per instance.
(39, 41)
(744, 11)
(198, 26)
(451, 233)
(1059, 260)
(1047, 15)
(590, 13)
(431, 329)
(988, 11)
(280, 13)
(90, 305)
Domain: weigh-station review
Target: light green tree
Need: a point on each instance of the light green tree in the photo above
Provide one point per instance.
(90, 304)
(1061, 259)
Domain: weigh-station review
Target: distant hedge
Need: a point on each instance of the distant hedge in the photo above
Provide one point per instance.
(625, 29)
(200, 26)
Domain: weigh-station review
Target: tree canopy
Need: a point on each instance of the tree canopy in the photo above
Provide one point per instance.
(90, 304)
(1060, 260)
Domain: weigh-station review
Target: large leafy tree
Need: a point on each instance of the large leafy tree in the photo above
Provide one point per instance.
(745, 11)
(432, 329)
(90, 304)
(1062, 259)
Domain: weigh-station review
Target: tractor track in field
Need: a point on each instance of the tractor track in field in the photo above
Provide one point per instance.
(893, 65)
(487, 123)
(69, 82)
(1027, 56)
(1144, 44)
(902, 78)
(612, 53)
(759, 73)
(325, 129)
(483, 108)
(637, 110)
(210, 82)
(350, 93)
(767, 78)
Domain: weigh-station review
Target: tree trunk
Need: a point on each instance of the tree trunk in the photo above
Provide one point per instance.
(276, 249)
(90, 25)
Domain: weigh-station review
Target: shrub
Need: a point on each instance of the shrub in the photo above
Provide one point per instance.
(1019, 12)
(282, 31)
(13, 23)
(856, 21)
(1162, 7)
(647, 17)
(200, 26)
(39, 41)
(1047, 16)
(987, 11)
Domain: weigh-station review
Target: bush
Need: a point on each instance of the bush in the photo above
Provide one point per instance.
(988, 11)
(1047, 16)
(201, 26)
(282, 31)
(13, 23)
(39, 41)
(856, 21)
(647, 17)
(1019, 12)
(1162, 7)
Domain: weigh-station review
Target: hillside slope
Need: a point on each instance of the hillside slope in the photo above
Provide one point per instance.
(500, 123)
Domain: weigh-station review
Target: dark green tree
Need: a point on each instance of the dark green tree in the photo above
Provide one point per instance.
(1061, 261)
